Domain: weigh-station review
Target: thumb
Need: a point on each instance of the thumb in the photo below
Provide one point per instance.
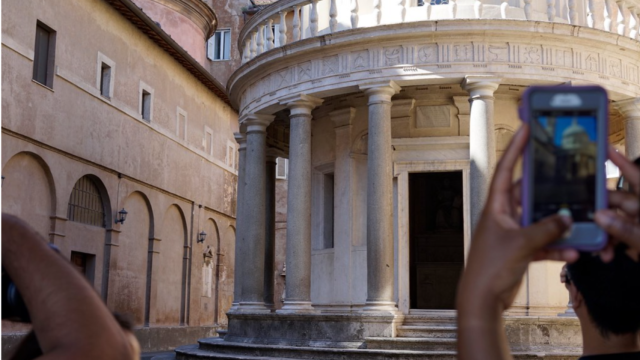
(546, 231)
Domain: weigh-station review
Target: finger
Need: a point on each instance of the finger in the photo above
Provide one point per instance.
(516, 195)
(630, 171)
(620, 228)
(625, 201)
(546, 231)
(504, 170)
(566, 255)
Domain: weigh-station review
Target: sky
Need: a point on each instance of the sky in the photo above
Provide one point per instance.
(563, 122)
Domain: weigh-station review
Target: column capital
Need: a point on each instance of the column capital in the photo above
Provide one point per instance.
(241, 139)
(256, 122)
(380, 91)
(301, 104)
(342, 117)
(480, 85)
(630, 108)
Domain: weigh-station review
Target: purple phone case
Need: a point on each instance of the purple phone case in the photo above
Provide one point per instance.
(524, 112)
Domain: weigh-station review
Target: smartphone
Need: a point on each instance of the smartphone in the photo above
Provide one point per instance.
(564, 161)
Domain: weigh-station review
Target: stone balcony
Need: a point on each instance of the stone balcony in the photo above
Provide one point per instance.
(330, 47)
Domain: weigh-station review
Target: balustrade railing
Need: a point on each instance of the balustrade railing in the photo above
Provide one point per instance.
(269, 28)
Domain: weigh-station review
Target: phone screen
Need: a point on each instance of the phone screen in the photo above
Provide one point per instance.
(565, 164)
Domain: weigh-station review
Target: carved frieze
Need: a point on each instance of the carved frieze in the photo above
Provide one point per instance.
(413, 60)
(360, 60)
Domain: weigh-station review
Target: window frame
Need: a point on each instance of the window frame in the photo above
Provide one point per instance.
(230, 158)
(208, 132)
(180, 111)
(221, 48)
(145, 88)
(49, 58)
(79, 209)
(104, 60)
(286, 168)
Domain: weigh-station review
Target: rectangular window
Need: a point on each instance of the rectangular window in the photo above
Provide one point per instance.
(146, 105)
(282, 167)
(105, 80)
(85, 264)
(328, 182)
(208, 140)
(44, 55)
(181, 124)
(231, 154)
(219, 45)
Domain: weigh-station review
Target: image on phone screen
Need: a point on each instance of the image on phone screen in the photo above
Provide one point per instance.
(564, 171)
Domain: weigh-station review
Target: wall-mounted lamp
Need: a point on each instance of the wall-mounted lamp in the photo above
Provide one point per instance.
(202, 236)
(122, 216)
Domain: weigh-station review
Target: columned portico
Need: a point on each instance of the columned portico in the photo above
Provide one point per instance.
(631, 110)
(253, 211)
(298, 260)
(380, 252)
(482, 145)
(239, 253)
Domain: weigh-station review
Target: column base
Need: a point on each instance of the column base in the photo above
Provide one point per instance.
(252, 307)
(380, 306)
(296, 307)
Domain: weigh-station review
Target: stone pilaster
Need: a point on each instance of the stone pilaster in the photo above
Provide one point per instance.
(482, 145)
(237, 278)
(298, 260)
(343, 207)
(270, 229)
(630, 108)
(253, 214)
(380, 259)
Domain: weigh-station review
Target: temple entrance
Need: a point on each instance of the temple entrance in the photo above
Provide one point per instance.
(436, 229)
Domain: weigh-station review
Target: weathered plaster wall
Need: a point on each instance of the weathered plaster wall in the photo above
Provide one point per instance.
(230, 16)
(51, 137)
(181, 28)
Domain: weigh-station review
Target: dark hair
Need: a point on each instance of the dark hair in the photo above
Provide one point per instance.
(611, 291)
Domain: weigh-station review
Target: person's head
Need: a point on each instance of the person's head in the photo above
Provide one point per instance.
(606, 294)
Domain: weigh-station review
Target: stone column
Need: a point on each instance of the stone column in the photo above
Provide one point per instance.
(343, 205)
(253, 214)
(270, 229)
(482, 145)
(298, 260)
(630, 108)
(380, 267)
(239, 253)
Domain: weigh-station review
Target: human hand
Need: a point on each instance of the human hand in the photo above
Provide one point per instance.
(621, 219)
(502, 249)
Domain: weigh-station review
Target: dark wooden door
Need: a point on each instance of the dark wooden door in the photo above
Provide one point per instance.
(436, 230)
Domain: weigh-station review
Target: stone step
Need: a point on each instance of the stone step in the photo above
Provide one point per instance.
(215, 348)
(222, 332)
(427, 331)
(164, 357)
(411, 343)
(429, 320)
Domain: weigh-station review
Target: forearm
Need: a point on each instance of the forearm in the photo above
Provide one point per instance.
(68, 317)
(481, 333)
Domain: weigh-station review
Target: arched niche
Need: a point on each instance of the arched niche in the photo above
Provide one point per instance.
(28, 191)
(168, 271)
(92, 191)
(128, 273)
